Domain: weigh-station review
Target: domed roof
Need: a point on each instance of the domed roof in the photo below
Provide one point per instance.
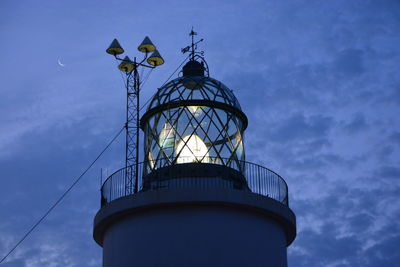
(190, 88)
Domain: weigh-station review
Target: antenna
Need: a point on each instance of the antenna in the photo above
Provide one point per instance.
(193, 46)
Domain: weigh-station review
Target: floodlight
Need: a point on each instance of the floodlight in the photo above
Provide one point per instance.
(115, 48)
(155, 59)
(146, 46)
(126, 65)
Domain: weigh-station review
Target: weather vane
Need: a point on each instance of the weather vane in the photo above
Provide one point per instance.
(192, 48)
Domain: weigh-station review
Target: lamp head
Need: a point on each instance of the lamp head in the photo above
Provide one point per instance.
(155, 59)
(146, 46)
(126, 65)
(115, 48)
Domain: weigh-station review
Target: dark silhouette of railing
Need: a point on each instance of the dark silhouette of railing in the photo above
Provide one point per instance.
(163, 174)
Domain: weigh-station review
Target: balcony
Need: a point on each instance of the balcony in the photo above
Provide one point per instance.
(204, 174)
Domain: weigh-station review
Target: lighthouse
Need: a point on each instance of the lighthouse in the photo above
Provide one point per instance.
(197, 202)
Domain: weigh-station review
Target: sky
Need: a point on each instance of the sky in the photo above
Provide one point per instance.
(318, 80)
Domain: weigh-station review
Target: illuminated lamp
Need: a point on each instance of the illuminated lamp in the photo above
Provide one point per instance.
(192, 149)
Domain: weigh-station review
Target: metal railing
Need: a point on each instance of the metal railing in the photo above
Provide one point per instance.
(251, 177)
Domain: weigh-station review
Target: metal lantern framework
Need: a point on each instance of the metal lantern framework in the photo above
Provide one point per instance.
(194, 119)
(133, 82)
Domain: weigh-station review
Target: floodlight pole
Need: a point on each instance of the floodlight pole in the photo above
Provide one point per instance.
(132, 105)
(137, 90)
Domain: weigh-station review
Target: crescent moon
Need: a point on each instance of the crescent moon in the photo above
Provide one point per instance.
(59, 63)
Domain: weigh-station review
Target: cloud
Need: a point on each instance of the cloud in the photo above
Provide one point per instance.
(395, 137)
(357, 124)
(349, 63)
(390, 172)
(361, 229)
(298, 127)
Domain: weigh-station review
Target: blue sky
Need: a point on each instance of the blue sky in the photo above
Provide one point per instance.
(318, 80)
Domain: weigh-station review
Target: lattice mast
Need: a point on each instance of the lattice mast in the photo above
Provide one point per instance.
(132, 130)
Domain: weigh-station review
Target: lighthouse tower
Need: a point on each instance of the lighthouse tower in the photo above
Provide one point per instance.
(199, 202)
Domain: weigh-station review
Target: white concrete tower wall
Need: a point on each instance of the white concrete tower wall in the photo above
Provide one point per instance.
(195, 228)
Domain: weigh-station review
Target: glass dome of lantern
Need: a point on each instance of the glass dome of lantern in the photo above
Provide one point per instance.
(194, 118)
